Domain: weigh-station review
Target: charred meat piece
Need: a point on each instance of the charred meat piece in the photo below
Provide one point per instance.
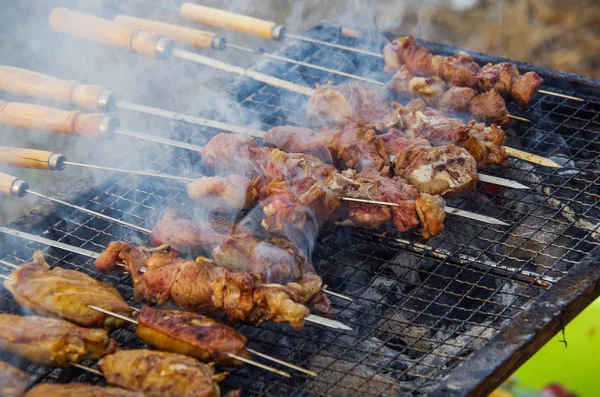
(431, 213)
(356, 146)
(458, 70)
(13, 381)
(279, 261)
(298, 140)
(485, 144)
(364, 215)
(355, 101)
(406, 51)
(489, 107)
(456, 99)
(160, 374)
(525, 86)
(405, 83)
(498, 77)
(448, 170)
(190, 334)
(79, 390)
(65, 294)
(232, 191)
(201, 286)
(230, 153)
(52, 342)
(190, 236)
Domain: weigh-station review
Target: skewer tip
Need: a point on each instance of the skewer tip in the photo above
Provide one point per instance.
(327, 322)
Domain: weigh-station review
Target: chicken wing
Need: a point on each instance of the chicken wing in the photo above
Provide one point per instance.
(13, 381)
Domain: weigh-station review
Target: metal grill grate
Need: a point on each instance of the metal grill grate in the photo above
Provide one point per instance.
(419, 311)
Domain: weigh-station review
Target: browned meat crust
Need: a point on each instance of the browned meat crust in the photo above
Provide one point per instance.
(13, 381)
(79, 390)
(225, 192)
(65, 294)
(489, 107)
(190, 334)
(160, 374)
(52, 342)
(431, 213)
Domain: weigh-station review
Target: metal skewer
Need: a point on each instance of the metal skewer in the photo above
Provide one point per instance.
(82, 251)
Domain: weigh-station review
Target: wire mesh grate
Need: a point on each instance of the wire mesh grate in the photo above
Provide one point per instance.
(419, 311)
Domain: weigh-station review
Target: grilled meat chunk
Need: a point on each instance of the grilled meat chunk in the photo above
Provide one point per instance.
(232, 191)
(52, 342)
(190, 236)
(65, 294)
(354, 101)
(458, 69)
(160, 374)
(204, 287)
(489, 107)
(191, 334)
(448, 170)
(431, 213)
(416, 120)
(13, 381)
(79, 390)
(354, 146)
(298, 140)
(456, 99)
(498, 77)
(229, 153)
(525, 86)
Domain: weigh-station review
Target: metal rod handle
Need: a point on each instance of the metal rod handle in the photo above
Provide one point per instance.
(28, 83)
(229, 20)
(12, 186)
(103, 31)
(28, 116)
(31, 158)
(194, 37)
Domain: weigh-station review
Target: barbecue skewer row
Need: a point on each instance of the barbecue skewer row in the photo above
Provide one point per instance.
(419, 87)
(28, 83)
(55, 343)
(271, 31)
(460, 70)
(193, 336)
(101, 30)
(22, 115)
(19, 188)
(95, 255)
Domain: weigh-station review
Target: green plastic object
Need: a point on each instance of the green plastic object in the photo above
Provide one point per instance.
(576, 366)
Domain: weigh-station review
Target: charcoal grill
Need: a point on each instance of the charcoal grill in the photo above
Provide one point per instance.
(454, 317)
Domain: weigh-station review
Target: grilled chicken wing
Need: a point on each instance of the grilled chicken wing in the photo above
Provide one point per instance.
(160, 374)
(79, 390)
(13, 381)
(190, 334)
(65, 294)
(52, 342)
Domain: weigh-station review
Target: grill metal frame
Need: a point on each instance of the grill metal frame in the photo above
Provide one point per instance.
(458, 328)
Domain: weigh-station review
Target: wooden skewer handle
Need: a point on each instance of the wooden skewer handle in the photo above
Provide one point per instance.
(31, 158)
(12, 186)
(107, 32)
(28, 116)
(229, 20)
(28, 83)
(183, 35)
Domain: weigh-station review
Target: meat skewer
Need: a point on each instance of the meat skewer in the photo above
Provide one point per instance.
(272, 31)
(75, 389)
(19, 188)
(180, 332)
(82, 251)
(460, 70)
(356, 102)
(104, 31)
(52, 342)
